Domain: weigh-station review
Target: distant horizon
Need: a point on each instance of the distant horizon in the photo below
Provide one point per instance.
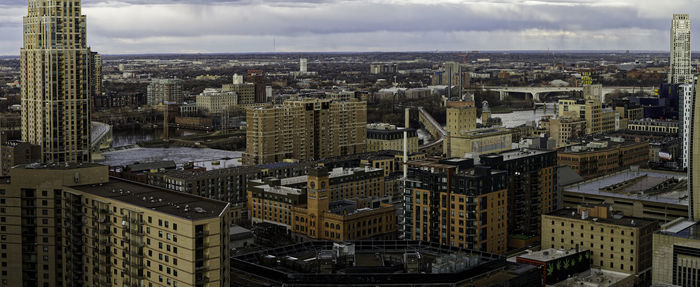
(398, 52)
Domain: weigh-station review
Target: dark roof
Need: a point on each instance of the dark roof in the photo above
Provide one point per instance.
(612, 219)
(159, 199)
(165, 164)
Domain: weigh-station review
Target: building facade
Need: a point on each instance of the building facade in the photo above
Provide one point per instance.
(389, 137)
(621, 244)
(310, 213)
(685, 118)
(455, 203)
(15, 153)
(603, 157)
(161, 91)
(531, 183)
(56, 81)
(216, 101)
(71, 225)
(680, 68)
(244, 91)
(676, 254)
(307, 129)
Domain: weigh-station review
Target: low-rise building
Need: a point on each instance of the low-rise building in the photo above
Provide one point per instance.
(389, 137)
(557, 265)
(651, 194)
(656, 126)
(309, 212)
(379, 263)
(216, 101)
(564, 129)
(617, 243)
(600, 157)
(478, 141)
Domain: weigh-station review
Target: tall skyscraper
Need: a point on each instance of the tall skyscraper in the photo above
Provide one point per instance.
(56, 81)
(685, 117)
(680, 68)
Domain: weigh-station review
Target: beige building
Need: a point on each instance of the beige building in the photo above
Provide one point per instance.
(389, 137)
(676, 254)
(564, 128)
(306, 129)
(310, 212)
(617, 243)
(479, 141)
(245, 91)
(56, 81)
(71, 225)
(598, 120)
(216, 101)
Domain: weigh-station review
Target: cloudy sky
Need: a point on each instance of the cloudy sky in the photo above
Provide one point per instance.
(221, 26)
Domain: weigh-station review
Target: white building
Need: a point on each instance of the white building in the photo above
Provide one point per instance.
(686, 92)
(216, 101)
(237, 79)
(302, 65)
(680, 70)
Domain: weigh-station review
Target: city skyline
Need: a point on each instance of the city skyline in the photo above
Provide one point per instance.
(134, 26)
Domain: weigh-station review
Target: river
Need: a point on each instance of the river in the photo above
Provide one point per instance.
(517, 118)
(203, 157)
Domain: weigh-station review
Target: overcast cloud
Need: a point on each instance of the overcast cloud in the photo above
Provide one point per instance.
(219, 26)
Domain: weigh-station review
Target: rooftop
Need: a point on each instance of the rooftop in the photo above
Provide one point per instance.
(517, 153)
(597, 278)
(683, 229)
(548, 254)
(365, 262)
(614, 219)
(58, 166)
(647, 185)
(158, 199)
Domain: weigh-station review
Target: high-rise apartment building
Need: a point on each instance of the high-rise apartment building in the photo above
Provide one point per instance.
(72, 225)
(685, 117)
(694, 161)
(455, 203)
(56, 81)
(680, 69)
(306, 129)
(531, 183)
(161, 91)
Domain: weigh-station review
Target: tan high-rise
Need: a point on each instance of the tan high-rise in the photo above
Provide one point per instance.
(308, 129)
(55, 78)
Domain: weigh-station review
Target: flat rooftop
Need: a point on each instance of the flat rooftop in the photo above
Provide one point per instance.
(383, 261)
(548, 254)
(518, 153)
(646, 185)
(58, 166)
(174, 203)
(595, 277)
(334, 173)
(683, 229)
(615, 219)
